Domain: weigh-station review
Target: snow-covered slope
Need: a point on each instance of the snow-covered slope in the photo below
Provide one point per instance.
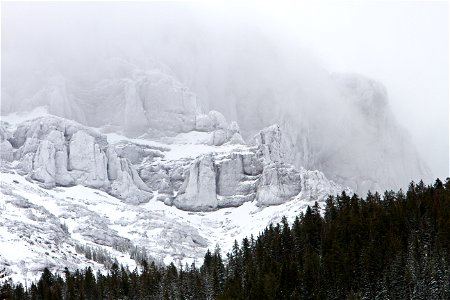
(32, 218)
(198, 195)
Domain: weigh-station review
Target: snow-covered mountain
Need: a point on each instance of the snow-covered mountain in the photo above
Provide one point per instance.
(73, 196)
(159, 131)
(132, 164)
(340, 124)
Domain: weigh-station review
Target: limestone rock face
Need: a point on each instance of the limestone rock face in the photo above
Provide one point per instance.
(62, 175)
(129, 186)
(269, 142)
(279, 181)
(221, 132)
(133, 107)
(56, 151)
(137, 153)
(216, 182)
(223, 181)
(87, 161)
(340, 124)
(114, 166)
(229, 174)
(198, 192)
(154, 102)
(125, 181)
(278, 184)
(166, 178)
(234, 185)
(96, 231)
(314, 183)
(252, 164)
(44, 166)
(59, 152)
(6, 150)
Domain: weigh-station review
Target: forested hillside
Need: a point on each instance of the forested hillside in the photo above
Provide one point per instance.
(391, 246)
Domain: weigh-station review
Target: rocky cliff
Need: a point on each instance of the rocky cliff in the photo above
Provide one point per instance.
(59, 152)
(131, 198)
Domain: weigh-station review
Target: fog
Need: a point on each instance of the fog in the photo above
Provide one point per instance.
(259, 64)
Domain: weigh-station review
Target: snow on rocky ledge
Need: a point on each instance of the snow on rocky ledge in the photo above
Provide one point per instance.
(67, 185)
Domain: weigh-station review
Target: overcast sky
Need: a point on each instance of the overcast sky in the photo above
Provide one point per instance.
(402, 44)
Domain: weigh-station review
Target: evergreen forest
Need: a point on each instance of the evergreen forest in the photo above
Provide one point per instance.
(390, 246)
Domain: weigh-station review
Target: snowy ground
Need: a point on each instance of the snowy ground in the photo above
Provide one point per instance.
(168, 234)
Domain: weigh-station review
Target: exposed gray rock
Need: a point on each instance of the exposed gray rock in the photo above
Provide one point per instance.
(137, 153)
(126, 183)
(87, 162)
(314, 185)
(221, 131)
(100, 234)
(230, 173)
(235, 200)
(44, 167)
(278, 184)
(252, 164)
(129, 185)
(25, 165)
(216, 182)
(133, 107)
(56, 151)
(222, 181)
(154, 102)
(269, 142)
(62, 175)
(153, 175)
(166, 177)
(6, 150)
(198, 192)
(177, 176)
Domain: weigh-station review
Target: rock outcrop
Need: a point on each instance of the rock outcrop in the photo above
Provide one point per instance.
(56, 151)
(256, 174)
(125, 181)
(278, 184)
(6, 150)
(153, 102)
(198, 192)
(268, 141)
(216, 182)
(279, 181)
(236, 180)
(59, 152)
(221, 132)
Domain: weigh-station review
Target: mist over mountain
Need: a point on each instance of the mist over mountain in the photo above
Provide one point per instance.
(153, 72)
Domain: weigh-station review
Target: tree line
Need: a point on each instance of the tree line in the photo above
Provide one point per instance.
(390, 246)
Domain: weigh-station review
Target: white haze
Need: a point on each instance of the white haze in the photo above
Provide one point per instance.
(233, 55)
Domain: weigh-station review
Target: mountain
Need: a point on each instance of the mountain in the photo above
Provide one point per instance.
(74, 196)
(130, 164)
(340, 124)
